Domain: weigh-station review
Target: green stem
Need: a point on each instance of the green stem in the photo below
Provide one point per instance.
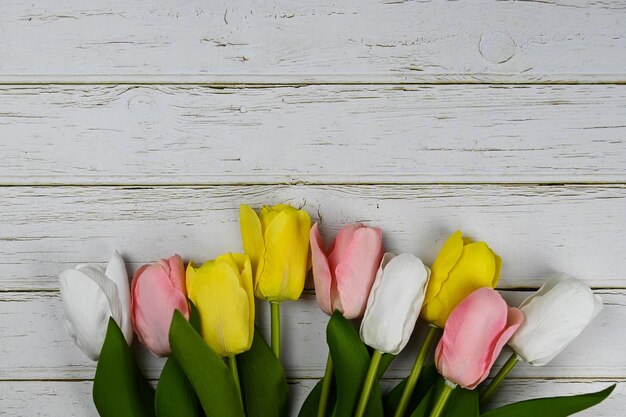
(415, 371)
(368, 384)
(486, 395)
(448, 387)
(326, 382)
(232, 364)
(275, 328)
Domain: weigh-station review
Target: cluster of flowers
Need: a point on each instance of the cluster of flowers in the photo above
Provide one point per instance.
(354, 277)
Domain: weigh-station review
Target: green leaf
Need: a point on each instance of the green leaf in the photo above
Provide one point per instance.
(175, 396)
(351, 362)
(461, 403)
(119, 388)
(207, 372)
(427, 378)
(263, 383)
(551, 406)
(311, 403)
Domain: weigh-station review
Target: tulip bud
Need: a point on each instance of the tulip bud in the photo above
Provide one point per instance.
(277, 242)
(461, 267)
(394, 303)
(221, 290)
(344, 275)
(158, 289)
(555, 315)
(90, 296)
(475, 333)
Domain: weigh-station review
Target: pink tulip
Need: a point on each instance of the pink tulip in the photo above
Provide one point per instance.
(157, 290)
(473, 337)
(344, 274)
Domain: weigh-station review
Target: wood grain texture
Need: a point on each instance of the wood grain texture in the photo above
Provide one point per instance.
(33, 323)
(73, 398)
(323, 41)
(538, 230)
(172, 134)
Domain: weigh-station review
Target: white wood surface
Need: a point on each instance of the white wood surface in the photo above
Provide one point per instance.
(538, 230)
(190, 134)
(345, 41)
(143, 125)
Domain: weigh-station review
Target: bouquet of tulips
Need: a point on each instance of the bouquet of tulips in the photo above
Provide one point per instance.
(200, 315)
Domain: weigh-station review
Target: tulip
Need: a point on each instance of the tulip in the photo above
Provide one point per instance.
(90, 296)
(461, 267)
(158, 290)
(221, 290)
(555, 315)
(474, 335)
(344, 274)
(343, 277)
(393, 307)
(277, 242)
(394, 303)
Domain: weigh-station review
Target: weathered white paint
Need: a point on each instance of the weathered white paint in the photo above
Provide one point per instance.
(391, 40)
(538, 230)
(33, 323)
(193, 94)
(73, 398)
(172, 134)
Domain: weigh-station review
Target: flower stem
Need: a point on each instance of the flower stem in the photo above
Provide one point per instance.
(415, 371)
(486, 395)
(275, 307)
(368, 384)
(232, 364)
(448, 387)
(328, 378)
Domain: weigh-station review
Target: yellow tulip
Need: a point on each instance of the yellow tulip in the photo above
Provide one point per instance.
(221, 290)
(461, 267)
(277, 242)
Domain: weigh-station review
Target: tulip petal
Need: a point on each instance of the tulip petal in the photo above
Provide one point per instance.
(190, 276)
(224, 308)
(286, 255)
(321, 271)
(116, 272)
(445, 261)
(252, 237)
(240, 264)
(555, 315)
(468, 344)
(177, 273)
(87, 296)
(394, 303)
(154, 300)
(356, 272)
(515, 318)
(341, 243)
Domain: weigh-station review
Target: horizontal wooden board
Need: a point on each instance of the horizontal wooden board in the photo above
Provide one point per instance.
(320, 41)
(73, 398)
(174, 134)
(537, 230)
(36, 346)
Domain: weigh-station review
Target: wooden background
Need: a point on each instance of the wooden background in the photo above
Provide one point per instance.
(141, 126)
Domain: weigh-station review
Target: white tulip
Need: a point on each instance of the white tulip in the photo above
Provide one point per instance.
(90, 296)
(554, 316)
(394, 303)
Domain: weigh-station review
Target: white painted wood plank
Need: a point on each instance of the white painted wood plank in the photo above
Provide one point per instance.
(538, 230)
(73, 398)
(397, 40)
(172, 134)
(32, 323)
